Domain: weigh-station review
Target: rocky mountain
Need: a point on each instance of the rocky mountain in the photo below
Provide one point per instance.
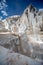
(25, 38)
(9, 23)
(31, 19)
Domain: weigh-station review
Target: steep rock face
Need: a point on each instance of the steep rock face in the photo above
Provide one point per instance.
(41, 13)
(30, 24)
(30, 20)
(28, 41)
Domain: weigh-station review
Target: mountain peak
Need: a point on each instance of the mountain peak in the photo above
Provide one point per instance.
(32, 8)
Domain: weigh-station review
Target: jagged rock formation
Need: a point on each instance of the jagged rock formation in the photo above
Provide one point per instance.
(31, 24)
(10, 22)
(27, 37)
(31, 20)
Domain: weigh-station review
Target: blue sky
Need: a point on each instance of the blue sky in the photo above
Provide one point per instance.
(16, 7)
